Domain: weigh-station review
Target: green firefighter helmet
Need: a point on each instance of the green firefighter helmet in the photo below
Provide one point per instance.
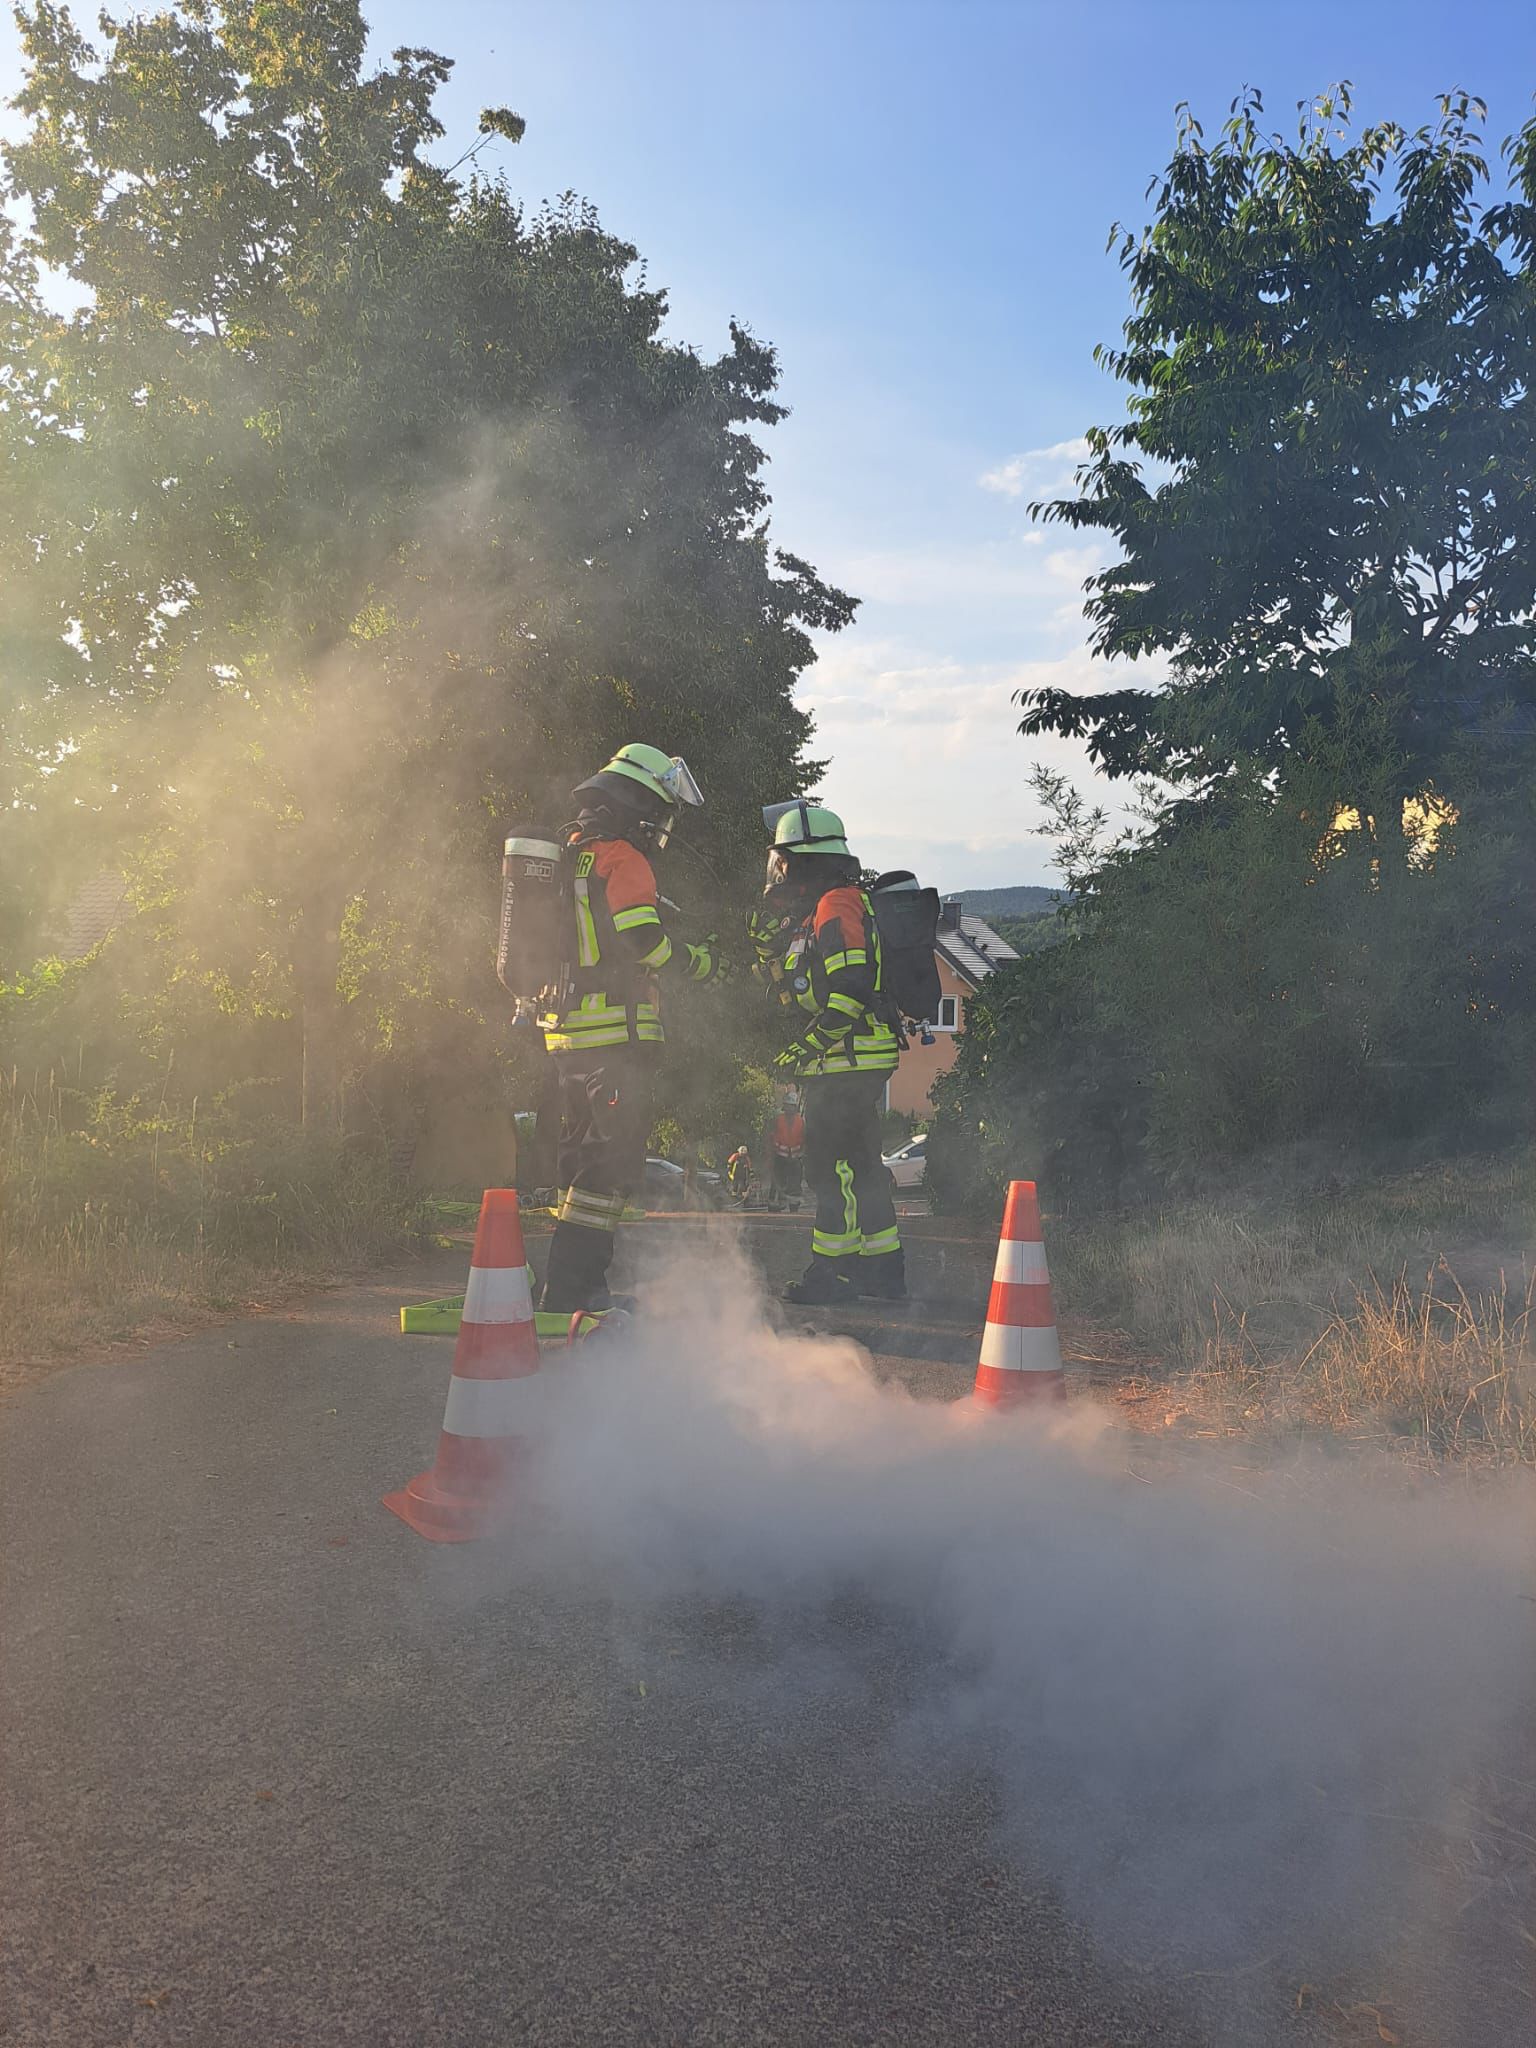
(803, 836)
(664, 775)
(649, 784)
(807, 828)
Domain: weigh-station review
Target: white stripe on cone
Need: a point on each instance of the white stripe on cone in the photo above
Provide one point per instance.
(498, 1294)
(1021, 1264)
(492, 1407)
(1006, 1348)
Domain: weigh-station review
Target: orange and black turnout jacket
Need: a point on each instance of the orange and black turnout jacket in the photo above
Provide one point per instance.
(621, 949)
(831, 971)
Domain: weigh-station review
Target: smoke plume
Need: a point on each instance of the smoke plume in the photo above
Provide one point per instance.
(1227, 1709)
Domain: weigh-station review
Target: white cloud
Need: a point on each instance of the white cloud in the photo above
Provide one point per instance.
(990, 573)
(928, 765)
(914, 705)
(1043, 472)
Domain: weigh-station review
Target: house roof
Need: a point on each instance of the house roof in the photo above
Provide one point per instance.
(973, 949)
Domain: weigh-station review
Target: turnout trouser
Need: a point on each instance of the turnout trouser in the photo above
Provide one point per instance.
(787, 1175)
(851, 1186)
(604, 1120)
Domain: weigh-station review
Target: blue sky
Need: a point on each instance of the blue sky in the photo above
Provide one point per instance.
(910, 199)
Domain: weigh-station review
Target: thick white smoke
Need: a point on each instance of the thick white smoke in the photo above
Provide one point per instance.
(1232, 1712)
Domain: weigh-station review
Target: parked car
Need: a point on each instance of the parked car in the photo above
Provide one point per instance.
(909, 1163)
(667, 1187)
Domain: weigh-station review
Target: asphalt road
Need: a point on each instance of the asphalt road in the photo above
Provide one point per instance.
(280, 1773)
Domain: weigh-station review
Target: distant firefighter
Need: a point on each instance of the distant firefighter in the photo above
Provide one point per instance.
(818, 947)
(784, 1143)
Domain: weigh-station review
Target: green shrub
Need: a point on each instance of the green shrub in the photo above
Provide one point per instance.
(1249, 975)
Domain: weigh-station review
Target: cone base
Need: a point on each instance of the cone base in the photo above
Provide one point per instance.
(996, 1389)
(447, 1517)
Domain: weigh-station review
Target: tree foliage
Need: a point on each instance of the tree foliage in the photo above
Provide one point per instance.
(1252, 985)
(352, 515)
(1320, 934)
(1326, 475)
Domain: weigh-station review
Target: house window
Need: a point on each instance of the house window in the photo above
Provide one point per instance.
(949, 1013)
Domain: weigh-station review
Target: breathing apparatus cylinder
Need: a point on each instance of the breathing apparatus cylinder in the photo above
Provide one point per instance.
(533, 947)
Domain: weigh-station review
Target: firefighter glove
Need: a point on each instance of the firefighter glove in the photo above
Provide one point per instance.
(704, 961)
(764, 929)
(797, 1054)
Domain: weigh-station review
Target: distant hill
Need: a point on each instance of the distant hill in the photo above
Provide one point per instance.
(1025, 900)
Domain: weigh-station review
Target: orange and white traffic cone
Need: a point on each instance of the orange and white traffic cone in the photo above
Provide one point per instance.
(1020, 1350)
(470, 1490)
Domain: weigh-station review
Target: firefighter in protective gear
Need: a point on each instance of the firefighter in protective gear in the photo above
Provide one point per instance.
(738, 1174)
(606, 1039)
(785, 1142)
(818, 947)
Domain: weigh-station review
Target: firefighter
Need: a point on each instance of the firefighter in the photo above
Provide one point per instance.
(785, 1141)
(606, 1040)
(738, 1174)
(818, 946)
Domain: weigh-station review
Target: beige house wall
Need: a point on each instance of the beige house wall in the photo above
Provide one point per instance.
(921, 1065)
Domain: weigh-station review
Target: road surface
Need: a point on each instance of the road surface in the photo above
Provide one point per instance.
(281, 1775)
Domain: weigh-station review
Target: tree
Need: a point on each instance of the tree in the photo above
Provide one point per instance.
(1323, 491)
(364, 512)
(1318, 941)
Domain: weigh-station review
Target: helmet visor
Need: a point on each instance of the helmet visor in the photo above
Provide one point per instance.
(680, 786)
(773, 812)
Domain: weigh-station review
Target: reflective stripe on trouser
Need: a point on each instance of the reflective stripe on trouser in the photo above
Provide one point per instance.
(855, 1215)
(604, 1119)
(591, 1211)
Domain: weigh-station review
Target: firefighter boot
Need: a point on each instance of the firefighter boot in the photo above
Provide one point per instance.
(576, 1276)
(883, 1278)
(823, 1282)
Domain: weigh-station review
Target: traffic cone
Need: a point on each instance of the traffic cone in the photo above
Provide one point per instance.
(470, 1491)
(1020, 1351)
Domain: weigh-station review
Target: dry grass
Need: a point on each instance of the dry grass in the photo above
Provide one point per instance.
(121, 1220)
(1309, 1316)
(63, 1301)
(1428, 1369)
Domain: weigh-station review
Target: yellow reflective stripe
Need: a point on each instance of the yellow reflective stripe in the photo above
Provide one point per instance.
(880, 1243)
(597, 1022)
(831, 1246)
(606, 1019)
(591, 1015)
(848, 1006)
(589, 1211)
(842, 1063)
(854, 957)
(638, 914)
(598, 1009)
(659, 954)
(850, 1206)
(586, 925)
(587, 1041)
